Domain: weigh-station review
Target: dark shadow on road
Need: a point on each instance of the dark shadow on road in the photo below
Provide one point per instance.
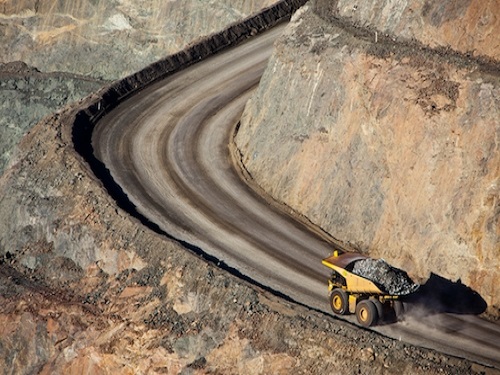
(440, 295)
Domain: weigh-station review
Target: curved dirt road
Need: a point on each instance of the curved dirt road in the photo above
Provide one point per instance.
(167, 147)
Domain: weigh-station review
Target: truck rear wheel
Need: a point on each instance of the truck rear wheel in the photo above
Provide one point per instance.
(380, 310)
(399, 310)
(366, 313)
(339, 301)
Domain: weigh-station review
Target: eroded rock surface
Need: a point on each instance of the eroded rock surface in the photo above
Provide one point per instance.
(390, 146)
(108, 40)
(85, 44)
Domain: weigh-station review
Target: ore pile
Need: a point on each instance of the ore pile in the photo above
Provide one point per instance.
(391, 280)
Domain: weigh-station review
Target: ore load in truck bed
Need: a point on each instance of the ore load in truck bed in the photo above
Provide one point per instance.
(390, 279)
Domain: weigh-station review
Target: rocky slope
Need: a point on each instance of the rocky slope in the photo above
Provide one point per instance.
(82, 38)
(27, 95)
(85, 36)
(465, 26)
(384, 139)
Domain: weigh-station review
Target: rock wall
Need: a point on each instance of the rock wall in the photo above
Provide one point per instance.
(466, 26)
(84, 36)
(81, 38)
(386, 143)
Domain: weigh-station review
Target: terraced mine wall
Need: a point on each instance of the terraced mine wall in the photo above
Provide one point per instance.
(207, 47)
(84, 288)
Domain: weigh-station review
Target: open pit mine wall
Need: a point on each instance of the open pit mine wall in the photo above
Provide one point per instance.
(367, 125)
(234, 34)
(56, 36)
(33, 217)
(85, 289)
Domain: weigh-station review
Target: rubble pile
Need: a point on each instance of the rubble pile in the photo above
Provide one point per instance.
(391, 280)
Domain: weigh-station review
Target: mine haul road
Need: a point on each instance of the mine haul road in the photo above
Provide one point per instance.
(167, 148)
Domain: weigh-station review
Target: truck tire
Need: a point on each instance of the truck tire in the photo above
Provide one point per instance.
(339, 301)
(399, 310)
(380, 310)
(366, 313)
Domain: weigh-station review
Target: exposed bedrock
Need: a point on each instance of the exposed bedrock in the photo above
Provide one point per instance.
(467, 26)
(386, 143)
(85, 36)
(82, 38)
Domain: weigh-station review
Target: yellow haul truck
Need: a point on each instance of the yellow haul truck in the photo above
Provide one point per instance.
(351, 293)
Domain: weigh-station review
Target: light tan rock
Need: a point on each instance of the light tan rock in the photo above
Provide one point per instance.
(391, 148)
(466, 26)
(83, 36)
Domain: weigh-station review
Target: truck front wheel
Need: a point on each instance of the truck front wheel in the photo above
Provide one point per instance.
(339, 301)
(366, 313)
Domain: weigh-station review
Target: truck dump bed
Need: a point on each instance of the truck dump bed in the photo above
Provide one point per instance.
(366, 275)
(354, 283)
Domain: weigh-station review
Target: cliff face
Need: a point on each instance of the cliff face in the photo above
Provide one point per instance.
(93, 41)
(466, 26)
(389, 145)
(85, 36)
